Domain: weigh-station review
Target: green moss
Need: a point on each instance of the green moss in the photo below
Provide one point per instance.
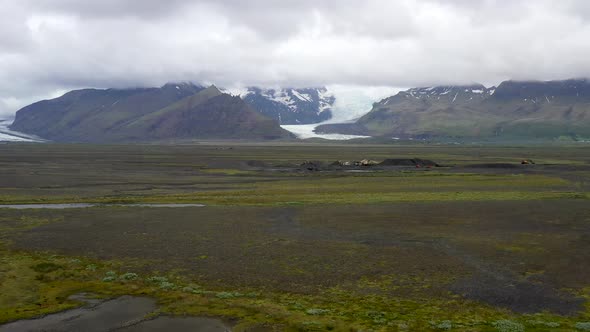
(46, 267)
(227, 171)
(335, 309)
(505, 325)
(129, 276)
(350, 189)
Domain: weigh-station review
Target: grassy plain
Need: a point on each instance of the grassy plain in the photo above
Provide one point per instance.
(471, 246)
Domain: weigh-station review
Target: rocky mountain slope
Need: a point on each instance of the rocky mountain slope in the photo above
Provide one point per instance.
(514, 109)
(174, 111)
(291, 106)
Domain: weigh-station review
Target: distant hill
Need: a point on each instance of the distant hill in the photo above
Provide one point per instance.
(291, 106)
(536, 110)
(174, 111)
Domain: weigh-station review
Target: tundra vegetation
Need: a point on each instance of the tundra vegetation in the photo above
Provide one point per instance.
(468, 246)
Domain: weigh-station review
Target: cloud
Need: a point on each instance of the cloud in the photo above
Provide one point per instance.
(48, 46)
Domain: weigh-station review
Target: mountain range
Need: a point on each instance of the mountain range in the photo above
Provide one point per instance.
(512, 110)
(290, 106)
(172, 112)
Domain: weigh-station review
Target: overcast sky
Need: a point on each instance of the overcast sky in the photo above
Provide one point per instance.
(50, 46)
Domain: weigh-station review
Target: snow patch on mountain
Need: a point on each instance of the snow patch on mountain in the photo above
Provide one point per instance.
(451, 93)
(236, 91)
(301, 96)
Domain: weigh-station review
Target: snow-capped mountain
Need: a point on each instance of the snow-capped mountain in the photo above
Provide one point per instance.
(289, 105)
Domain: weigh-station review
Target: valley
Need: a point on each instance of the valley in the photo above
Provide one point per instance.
(477, 243)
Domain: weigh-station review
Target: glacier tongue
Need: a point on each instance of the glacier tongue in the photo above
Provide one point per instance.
(7, 135)
(331, 104)
(307, 131)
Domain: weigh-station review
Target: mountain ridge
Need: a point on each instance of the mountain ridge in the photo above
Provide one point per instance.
(513, 109)
(173, 111)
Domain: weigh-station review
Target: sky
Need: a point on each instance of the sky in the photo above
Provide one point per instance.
(48, 47)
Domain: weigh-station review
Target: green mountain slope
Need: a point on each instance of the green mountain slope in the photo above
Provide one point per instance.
(207, 114)
(512, 110)
(173, 111)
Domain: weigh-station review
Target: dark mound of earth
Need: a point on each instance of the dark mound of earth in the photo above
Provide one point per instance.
(311, 165)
